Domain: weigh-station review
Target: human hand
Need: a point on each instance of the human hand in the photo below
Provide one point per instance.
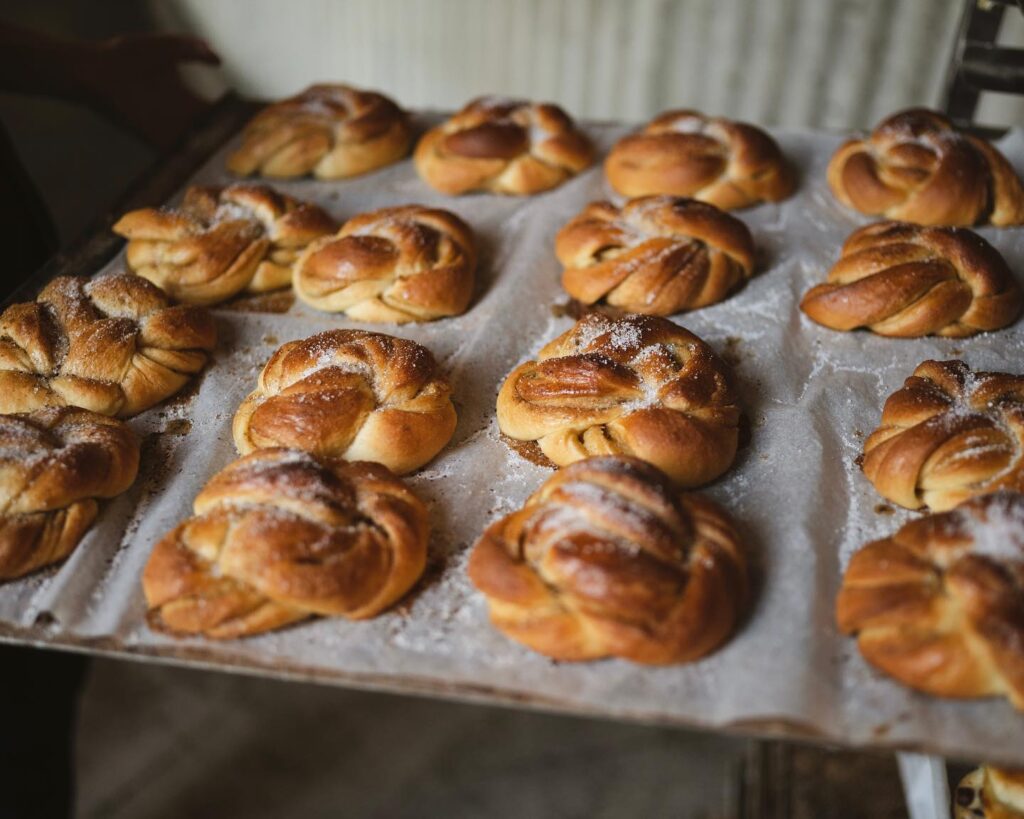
(135, 80)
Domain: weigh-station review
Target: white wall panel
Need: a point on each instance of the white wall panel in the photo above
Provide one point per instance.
(794, 62)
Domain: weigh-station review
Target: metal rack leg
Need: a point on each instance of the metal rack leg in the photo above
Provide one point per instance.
(925, 786)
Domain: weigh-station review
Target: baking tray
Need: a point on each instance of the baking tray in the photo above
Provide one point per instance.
(810, 396)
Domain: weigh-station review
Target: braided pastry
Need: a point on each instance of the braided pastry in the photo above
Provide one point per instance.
(990, 793)
(277, 537)
(54, 464)
(949, 434)
(637, 385)
(330, 131)
(399, 264)
(902, 280)
(684, 153)
(916, 167)
(350, 394)
(112, 344)
(940, 604)
(607, 559)
(656, 255)
(503, 146)
(221, 241)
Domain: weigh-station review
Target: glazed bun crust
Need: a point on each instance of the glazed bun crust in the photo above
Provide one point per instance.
(989, 792)
(637, 385)
(685, 153)
(504, 146)
(221, 241)
(938, 604)
(112, 344)
(279, 536)
(54, 465)
(607, 559)
(917, 167)
(350, 394)
(329, 131)
(657, 255)
(400, 264)
(949, 434)
(902, 280)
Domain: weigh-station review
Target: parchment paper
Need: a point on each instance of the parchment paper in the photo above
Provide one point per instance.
(811, 396)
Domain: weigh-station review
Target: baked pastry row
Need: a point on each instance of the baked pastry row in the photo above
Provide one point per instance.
(657, 255)
(245, 562)
(510, 146)
(939, 605)
(914, 167)
(83, 354)
(203, 571)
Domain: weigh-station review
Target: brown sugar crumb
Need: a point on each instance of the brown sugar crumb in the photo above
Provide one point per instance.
(530, 450)
(731, 355)
(280, 301)
(178, 426)
(576, 309)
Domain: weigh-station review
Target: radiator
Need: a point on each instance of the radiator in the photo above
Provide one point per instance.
(780, 62)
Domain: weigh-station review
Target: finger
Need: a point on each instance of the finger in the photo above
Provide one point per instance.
(184, 48)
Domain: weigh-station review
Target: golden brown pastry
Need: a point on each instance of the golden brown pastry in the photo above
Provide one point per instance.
(657, 255)
(684, 153)
(607, 559)
(990, 793)
(939, 604)
(917, 167)
(279, 536)
(112, 344)
(350, 394)
(898, 279)
(54, 464)
(503, 146)
(636, 385)
(400, 264)
(949, 434)
(330, 131)
(221, 241)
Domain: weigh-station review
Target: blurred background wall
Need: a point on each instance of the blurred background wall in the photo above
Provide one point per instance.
(790, 62)
(820, 63)
(837, 64)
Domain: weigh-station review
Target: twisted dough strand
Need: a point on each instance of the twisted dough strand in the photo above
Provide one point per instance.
(917, 167)
(606, 559)
(399, 264)
(350, 394)
(989, 792)
(54, 464)
(221, 241)
(279, 536)
(949, 434)
(112, 344)
(637, 385)
(940, 604)
(330, 131)
(685, 153)
(902, 280)
(656, 255)
(503, 146)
